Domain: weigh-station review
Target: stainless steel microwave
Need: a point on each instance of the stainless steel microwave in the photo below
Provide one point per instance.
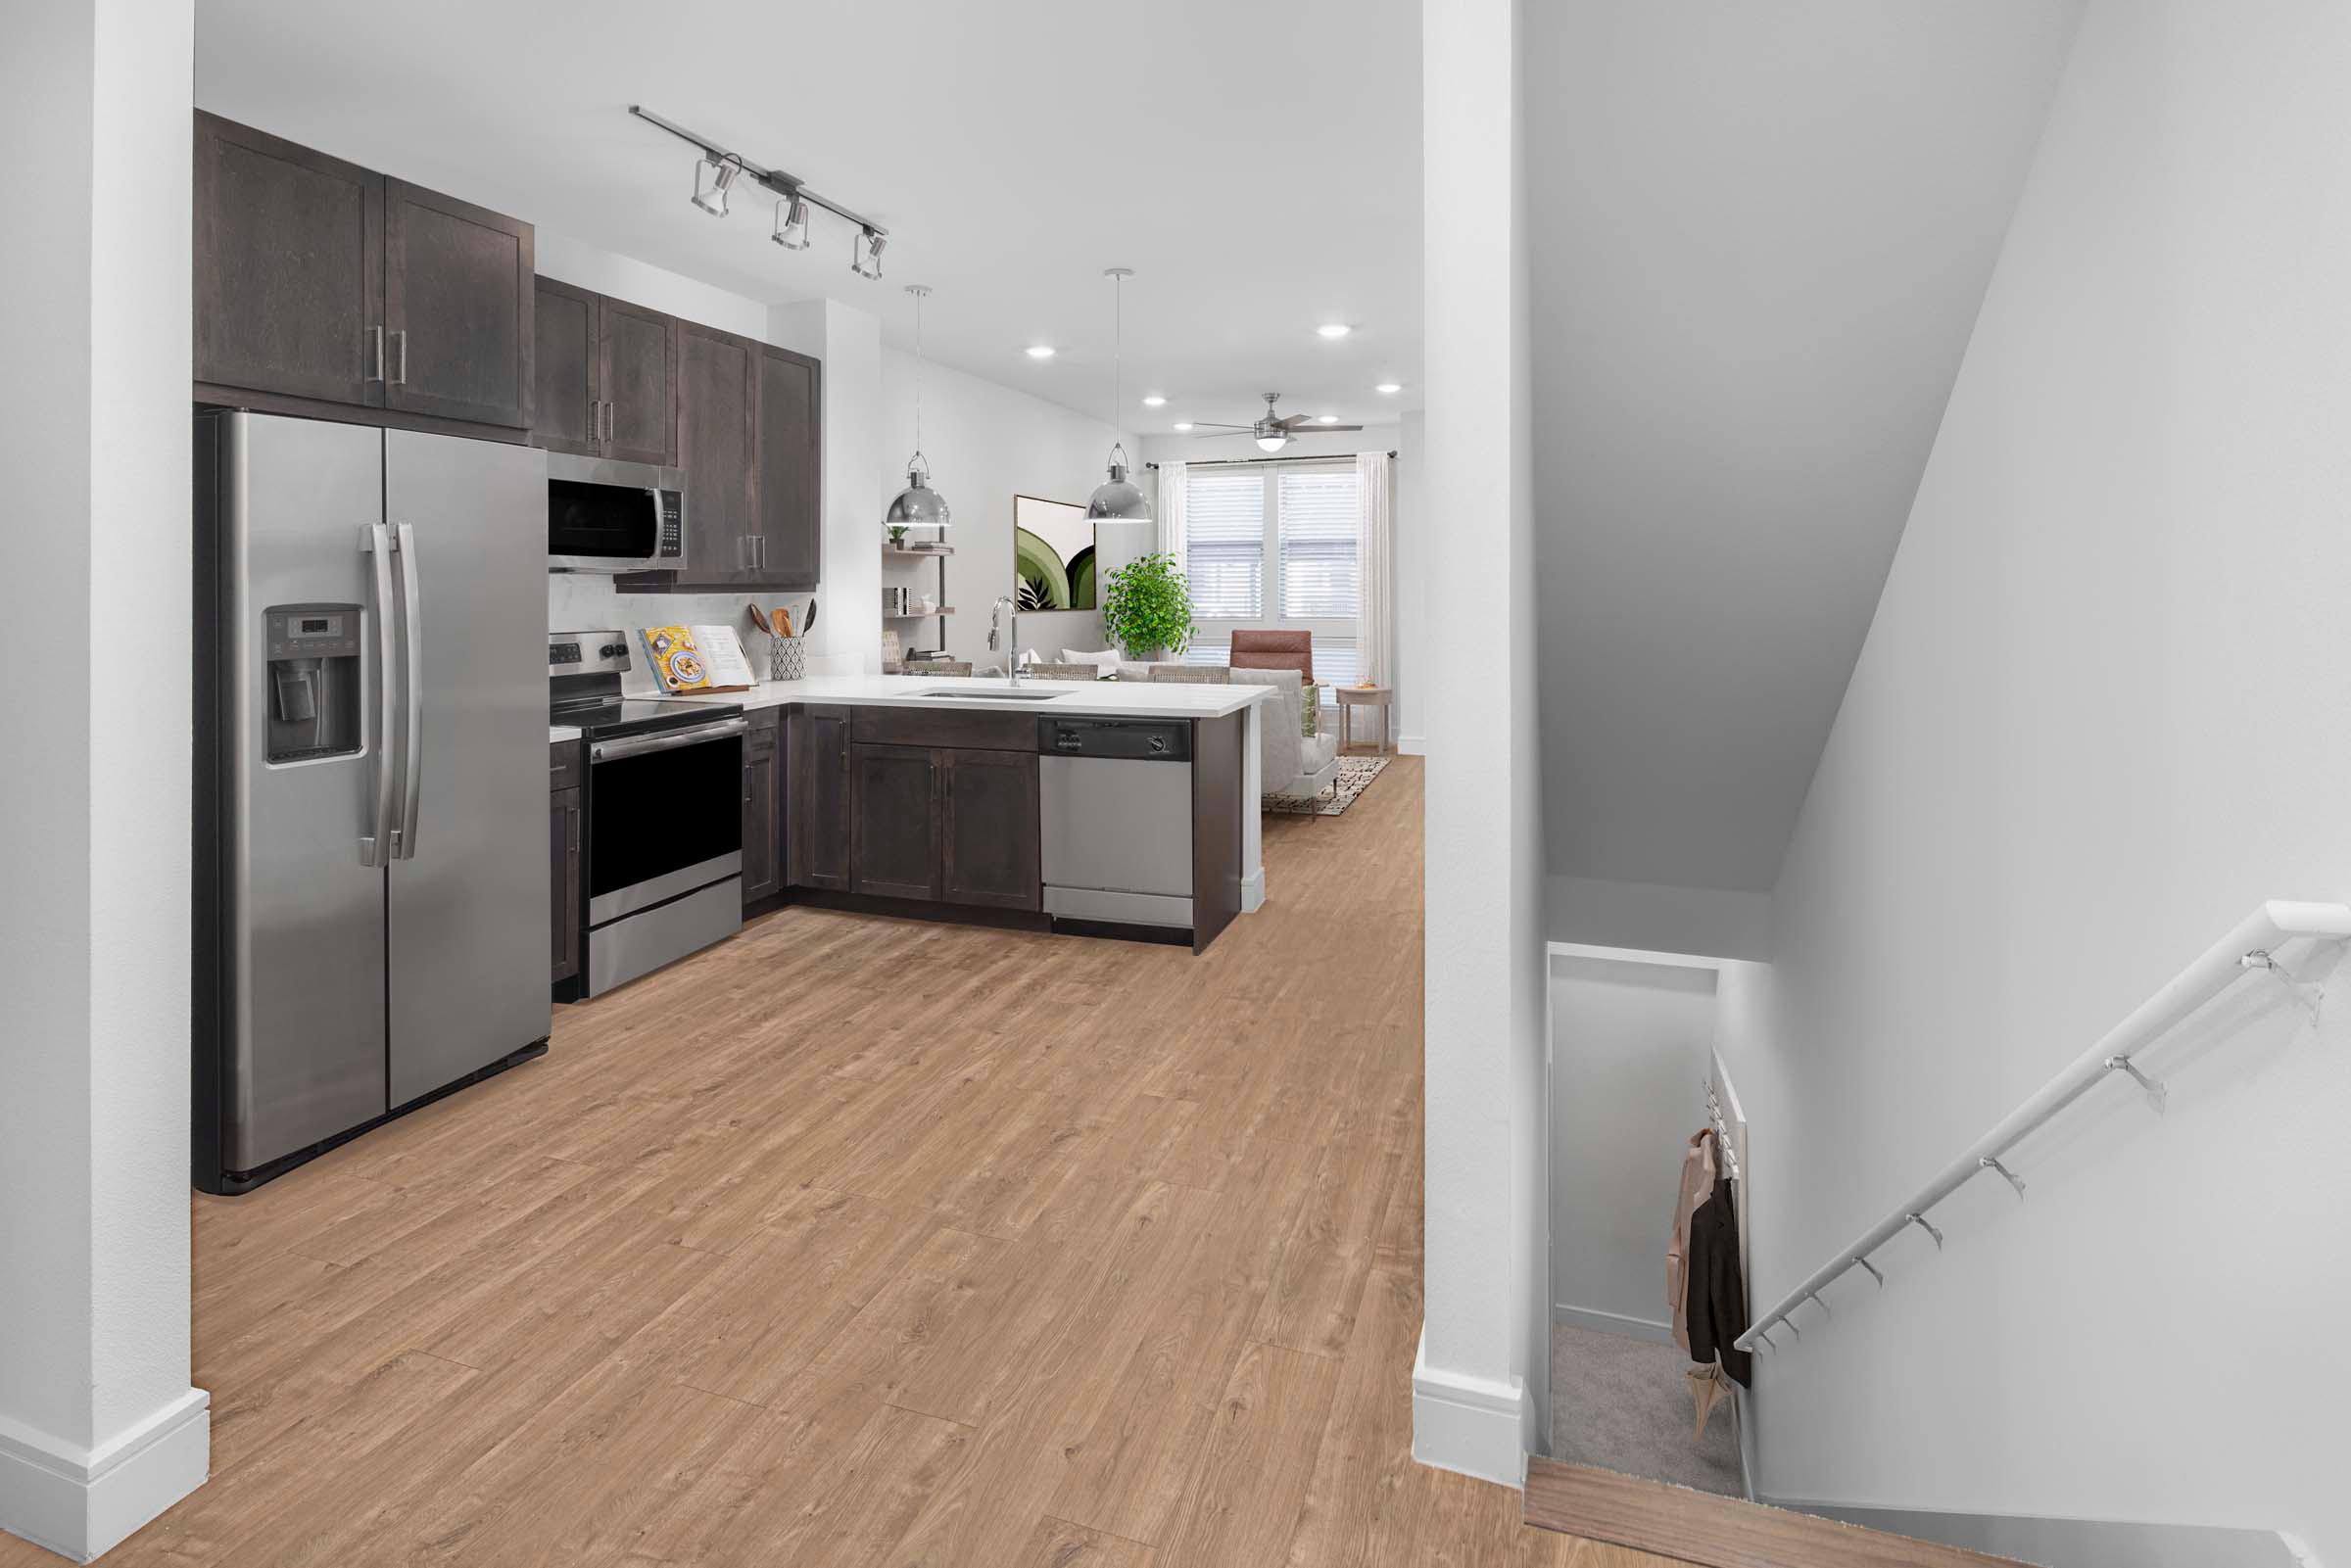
(606, 516)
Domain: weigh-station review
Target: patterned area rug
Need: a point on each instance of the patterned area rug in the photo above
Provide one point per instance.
(1354, 777)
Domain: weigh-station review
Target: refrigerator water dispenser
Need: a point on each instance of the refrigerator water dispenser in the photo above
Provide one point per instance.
(314, 681)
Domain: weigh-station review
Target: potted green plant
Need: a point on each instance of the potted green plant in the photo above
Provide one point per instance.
(1147, 609)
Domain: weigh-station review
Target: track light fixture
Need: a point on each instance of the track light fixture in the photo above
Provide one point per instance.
(716, 169)
(710, 188)
(791, 223)
(865, 253)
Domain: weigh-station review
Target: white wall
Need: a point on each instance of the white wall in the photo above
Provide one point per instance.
(1714, 921)
(1480, 1385)
(2096, 718)
(986, 444)
(1630, 1044)
(99, 1428)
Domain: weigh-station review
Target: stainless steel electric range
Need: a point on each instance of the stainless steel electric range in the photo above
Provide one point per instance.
(663, 807)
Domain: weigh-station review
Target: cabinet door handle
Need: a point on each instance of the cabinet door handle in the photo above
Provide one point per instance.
(607, 423)
(400, 342)
(375, 340)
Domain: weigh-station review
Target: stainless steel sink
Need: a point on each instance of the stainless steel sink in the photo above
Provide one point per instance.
(991, 695)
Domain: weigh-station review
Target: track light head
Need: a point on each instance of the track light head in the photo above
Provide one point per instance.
(711, 190)
(791, 223)
(865, 254)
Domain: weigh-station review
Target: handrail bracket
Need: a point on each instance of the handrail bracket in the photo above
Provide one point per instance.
(2157, 1095)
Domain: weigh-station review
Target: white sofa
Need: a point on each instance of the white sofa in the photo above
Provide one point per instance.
(1291, 765)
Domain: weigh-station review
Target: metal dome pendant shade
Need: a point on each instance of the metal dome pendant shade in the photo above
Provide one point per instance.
(1116, 499)
(918, 505)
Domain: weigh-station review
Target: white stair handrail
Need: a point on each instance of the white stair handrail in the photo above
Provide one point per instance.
(2247, 947)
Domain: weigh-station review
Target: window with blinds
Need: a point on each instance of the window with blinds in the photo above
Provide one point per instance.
(1300, 521)
(1224, 539)
(1322, 578)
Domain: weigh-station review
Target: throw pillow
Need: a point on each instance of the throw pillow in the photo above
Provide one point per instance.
(1106, 661)
(1310, 708)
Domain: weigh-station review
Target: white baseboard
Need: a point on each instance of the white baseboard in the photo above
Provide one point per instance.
(1253, 892)
(82, 1502)
(1640, 1328)
(1411, 745)
(2077, 1543)
(1471, 1424)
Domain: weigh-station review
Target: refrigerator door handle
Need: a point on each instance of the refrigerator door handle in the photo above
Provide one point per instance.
(375, 848)
(404, 546)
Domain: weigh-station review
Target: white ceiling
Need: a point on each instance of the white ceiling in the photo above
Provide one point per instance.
(1258, 166)
(1758, 237)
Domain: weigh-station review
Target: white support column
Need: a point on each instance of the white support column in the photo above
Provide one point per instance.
(1480, 1385)
(99, 1428)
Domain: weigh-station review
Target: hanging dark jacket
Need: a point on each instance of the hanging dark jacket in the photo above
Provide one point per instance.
(1716, 1306)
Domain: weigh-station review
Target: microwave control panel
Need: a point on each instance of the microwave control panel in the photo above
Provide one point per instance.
(673, 524)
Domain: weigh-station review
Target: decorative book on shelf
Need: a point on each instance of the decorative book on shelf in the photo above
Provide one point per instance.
(696, 658)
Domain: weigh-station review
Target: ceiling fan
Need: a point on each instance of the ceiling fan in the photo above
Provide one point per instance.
(1273, 431)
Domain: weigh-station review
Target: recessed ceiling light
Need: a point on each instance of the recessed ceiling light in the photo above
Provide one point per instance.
(1183, 424)
(1155, 400)
(1389, 389)
(1327, 419)
(1334, 329)
(1040, 350)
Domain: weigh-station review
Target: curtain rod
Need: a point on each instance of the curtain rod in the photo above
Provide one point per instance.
(1242, 462)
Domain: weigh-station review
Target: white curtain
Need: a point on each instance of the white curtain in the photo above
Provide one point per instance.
(1170, 512)
(1375, 634)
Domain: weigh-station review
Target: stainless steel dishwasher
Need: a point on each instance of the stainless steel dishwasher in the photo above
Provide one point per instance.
(1115, 798)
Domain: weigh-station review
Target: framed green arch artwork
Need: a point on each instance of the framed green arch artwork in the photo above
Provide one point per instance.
(1052, 556)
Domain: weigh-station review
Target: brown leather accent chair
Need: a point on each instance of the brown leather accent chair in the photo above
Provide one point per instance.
(1275, 651)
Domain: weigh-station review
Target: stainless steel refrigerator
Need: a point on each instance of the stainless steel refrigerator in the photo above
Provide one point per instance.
(371, 875)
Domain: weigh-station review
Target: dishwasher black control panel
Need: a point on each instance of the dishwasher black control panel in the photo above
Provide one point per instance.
(1127, 739)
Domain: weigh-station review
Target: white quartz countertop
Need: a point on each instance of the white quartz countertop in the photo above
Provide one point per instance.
(1124, 699)
(556, 733)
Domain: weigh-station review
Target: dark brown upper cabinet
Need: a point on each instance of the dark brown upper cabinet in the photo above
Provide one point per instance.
(289, 268)
(607, 376)
(718, 391)
(640, 382)
(321, 286)
(457, 286)
(790, 469)
(567, 359)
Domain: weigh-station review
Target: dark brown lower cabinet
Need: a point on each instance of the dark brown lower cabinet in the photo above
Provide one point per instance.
(762, 818)
(988, 829)
(816, 812)
(563, 877)
(895, 829)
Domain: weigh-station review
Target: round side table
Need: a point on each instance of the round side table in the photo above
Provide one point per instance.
(1352, 698)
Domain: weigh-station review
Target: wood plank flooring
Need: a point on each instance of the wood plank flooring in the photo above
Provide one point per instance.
(1718, 1532)
(867, 1241)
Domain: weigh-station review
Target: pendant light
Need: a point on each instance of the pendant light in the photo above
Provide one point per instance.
(918, 505)
(1116, 499)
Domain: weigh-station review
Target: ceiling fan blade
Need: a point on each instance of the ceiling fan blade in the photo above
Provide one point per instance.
(1332, 427)
(1222, 435)
(1299, 424)
(1221, 425)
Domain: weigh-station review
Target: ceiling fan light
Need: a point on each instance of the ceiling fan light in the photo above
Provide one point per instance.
(1272, 443)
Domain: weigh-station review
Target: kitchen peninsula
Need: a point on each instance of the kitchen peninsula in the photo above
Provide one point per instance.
(1107, 808)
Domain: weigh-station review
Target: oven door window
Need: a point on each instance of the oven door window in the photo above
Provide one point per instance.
(602, 522)
(664, 811)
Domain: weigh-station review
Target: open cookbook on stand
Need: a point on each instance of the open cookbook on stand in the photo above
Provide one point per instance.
(696, 658)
